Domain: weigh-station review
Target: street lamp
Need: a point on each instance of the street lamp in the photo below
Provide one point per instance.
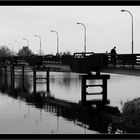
(85, 35)
(18, 44)
(57, 40)
(40, 41)
(132, 25)
(27, 41)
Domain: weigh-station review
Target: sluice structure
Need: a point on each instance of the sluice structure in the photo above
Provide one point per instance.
(103, 85)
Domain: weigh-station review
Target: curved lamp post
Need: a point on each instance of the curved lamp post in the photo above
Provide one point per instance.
(18, 44)
(84, 36)
(57, 40)
(40, 41)
(27, 41)
(132, 26)
(12, 47)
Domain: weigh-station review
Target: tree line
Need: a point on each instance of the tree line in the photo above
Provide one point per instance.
(5, 51)
(24, 51)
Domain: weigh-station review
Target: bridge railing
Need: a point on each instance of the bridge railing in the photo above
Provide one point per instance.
(125, 59)
(51, 59)
(77, 61)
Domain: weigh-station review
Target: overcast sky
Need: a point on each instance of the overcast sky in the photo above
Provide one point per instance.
(106, 27)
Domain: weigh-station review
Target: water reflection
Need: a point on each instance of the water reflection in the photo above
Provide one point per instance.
(64, 86)
(83, 117)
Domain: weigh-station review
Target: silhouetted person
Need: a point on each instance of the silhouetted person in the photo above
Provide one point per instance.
(113, 55)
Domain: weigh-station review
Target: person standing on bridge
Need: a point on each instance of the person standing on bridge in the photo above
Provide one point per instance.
(113, 55)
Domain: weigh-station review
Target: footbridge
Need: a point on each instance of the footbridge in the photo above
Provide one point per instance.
(78, 62)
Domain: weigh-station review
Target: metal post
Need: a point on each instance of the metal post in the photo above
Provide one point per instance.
(40, 41)
(132, 35)
(57, 41)
(84, 36)
(27, 41)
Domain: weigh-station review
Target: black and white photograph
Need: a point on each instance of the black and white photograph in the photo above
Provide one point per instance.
(70, 69)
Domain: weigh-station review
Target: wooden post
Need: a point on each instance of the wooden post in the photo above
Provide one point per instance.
(22, 77)
(34, 81)
(48, 80)
(83, 90)
(104, 91)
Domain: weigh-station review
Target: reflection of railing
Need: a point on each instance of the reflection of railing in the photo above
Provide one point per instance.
(88, 118)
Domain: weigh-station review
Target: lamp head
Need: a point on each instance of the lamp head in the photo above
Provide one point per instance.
(78, 23)
(123, 10)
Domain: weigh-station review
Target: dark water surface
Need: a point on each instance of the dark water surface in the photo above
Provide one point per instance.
(17, 116)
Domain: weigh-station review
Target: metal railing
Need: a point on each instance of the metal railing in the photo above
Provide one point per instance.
(90, 59)
(124, 59)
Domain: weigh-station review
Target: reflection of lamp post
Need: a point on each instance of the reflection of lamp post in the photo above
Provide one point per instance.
(40, 41)
(84, 37)
(27, 41)
(57, 40)
(132, 32)
(18, 44)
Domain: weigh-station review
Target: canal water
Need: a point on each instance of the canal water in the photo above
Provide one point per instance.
(19, 117)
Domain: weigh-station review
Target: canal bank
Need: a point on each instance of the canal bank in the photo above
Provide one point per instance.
(128, 121)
